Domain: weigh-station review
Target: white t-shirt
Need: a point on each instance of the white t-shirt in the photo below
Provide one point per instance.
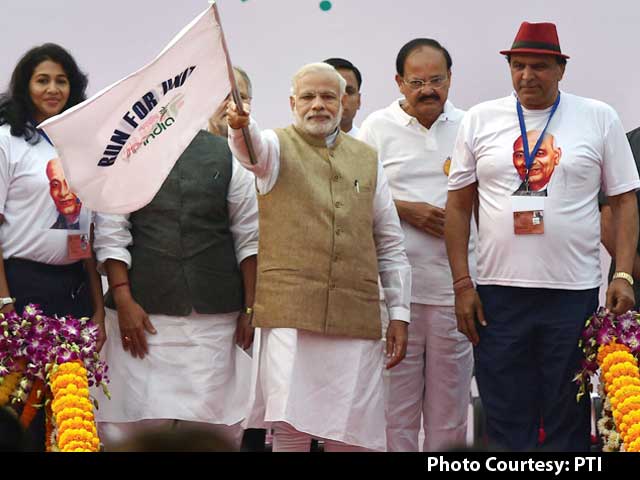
(591, 150)
(33, 228)
(416, 161)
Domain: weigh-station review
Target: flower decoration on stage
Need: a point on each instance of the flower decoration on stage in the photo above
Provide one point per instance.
(50, 362)
(611, 347)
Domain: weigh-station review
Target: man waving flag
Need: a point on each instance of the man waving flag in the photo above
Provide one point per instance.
(118, 147)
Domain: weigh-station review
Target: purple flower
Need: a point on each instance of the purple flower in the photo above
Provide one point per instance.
(63, 356)
(40, 328)
(605, 336)
(87, 350)
(608, 323)
(30, 310)
(33, 346)
(70, 331)
(632, 340)
(53, 330)
(626, 324)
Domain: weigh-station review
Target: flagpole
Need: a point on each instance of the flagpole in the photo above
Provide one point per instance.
(234, 87)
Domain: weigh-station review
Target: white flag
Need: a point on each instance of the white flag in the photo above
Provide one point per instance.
(118, 147)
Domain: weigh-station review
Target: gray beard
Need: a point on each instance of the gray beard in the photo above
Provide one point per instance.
(315, 129)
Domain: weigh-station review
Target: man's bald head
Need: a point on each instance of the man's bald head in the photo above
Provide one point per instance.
(67, 203)
(546, 160)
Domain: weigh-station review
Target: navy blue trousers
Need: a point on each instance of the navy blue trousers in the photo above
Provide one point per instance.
(525, 362)
(58, 289)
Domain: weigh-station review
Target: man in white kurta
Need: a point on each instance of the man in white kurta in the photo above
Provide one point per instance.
(310, 384)
(414, 137)
(189, 371)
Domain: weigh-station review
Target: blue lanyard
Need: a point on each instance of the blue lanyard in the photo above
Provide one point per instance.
(45, 136)
(530, 156)
(41, 132)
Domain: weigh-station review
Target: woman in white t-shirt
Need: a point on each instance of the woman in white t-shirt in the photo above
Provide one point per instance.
(44, 229)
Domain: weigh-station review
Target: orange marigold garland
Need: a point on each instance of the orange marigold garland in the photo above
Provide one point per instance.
(620, 425)
(72, 409)
(622, 382)
(611, 346)
(605, 350)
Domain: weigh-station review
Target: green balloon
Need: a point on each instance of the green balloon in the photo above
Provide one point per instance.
(325, 6)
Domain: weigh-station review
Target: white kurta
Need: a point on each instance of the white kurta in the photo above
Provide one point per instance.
(328, 387)
(194, 370)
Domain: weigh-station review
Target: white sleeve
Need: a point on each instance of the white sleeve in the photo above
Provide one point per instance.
(393, 264)
(463, 161)
(267, 149)
(112, 237)
(5, 172)
(365, 134)
(243, 212)
(619, 172)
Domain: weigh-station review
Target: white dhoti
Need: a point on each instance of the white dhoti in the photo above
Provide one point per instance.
(194, 372)
(327, 387)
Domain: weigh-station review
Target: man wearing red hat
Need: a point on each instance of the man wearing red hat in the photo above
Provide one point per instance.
(538, 256)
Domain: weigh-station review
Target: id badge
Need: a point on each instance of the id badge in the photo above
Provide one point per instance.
(79, 241)
(78, 246)
(528, 215)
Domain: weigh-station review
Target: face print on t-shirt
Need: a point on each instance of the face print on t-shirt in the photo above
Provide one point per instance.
(67, 204)
(544, 163)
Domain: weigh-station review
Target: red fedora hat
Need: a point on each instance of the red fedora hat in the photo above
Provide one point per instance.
(540, 38)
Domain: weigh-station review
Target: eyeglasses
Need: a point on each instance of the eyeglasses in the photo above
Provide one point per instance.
(435, 83)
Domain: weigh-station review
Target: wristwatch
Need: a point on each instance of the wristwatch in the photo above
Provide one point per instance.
(624, 276)
(6, 301)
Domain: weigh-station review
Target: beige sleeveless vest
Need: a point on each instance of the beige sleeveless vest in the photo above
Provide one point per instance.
(317, 261)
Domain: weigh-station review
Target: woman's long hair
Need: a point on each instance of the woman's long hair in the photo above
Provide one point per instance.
(16, 106)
